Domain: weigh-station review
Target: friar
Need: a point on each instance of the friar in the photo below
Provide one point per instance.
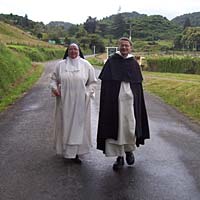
(123, 122)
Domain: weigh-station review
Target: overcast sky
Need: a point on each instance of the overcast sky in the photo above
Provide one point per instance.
(77, 11)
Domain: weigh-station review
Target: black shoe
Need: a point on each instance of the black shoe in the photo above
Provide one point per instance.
(73, 160)
(130, 159)
(119, 163)
(77, 160)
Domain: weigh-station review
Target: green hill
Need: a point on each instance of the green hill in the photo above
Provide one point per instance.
(153, 27)
(12, 35)
(22, 42)
(65, 25)
(193, 17)
(51, 31)
(145, 27)
(18, 72)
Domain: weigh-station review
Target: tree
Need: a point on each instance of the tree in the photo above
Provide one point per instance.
(177, 41)
(186, 23)
(39, 36)
(191, 38)
(90, 25)
(195, 40)
(119, 26)
(39, 28)
(73, 30)
(103, 28)
(81, 33)
(96, 40)
(23, 21)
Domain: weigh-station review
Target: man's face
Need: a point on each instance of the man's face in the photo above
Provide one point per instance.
(124, 47)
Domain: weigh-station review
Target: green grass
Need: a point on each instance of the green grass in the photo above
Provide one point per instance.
(166, 43)
(12, 67)
(18, 73)
(175, 76)
(38, 54)
(179, 90)
(12, 35)
(151, 46)
(17, 90)
(95, 61)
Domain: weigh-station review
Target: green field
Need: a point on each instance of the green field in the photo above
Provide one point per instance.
(181, 91)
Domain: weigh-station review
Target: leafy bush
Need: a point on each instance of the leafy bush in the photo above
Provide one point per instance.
(95, 61)
(186, 65)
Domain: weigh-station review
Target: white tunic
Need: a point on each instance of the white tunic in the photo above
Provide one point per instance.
(77, 80)
(126, 130)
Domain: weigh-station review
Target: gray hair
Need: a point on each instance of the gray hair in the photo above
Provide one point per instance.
(125, 39)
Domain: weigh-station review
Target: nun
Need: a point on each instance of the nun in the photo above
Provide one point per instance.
(73, 85)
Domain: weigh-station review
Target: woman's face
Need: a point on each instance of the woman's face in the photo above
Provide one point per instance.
(73, 51)
(124, 47)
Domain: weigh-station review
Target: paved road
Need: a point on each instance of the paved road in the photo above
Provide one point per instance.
(166, 168)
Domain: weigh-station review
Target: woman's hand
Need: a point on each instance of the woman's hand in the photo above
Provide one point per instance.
(56, 92)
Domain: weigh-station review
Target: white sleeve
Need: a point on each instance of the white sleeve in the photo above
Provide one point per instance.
(91, 82)
(54, 79)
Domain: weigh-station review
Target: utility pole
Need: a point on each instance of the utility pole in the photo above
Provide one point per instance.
(94, 50)
(119, 9)
(130, 31)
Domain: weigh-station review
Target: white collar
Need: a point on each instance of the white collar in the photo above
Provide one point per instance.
(72, 64)
(128, 56)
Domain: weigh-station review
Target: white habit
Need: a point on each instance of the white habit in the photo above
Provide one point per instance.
(76, 79)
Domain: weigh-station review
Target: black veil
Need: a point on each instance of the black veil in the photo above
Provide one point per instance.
(80, 53)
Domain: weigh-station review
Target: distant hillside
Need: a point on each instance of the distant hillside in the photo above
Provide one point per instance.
(12, 35)
(153, 27)
(127, 15)
(51, 31)
(193, 17)
(143, 27)
(66, 25)
(21, 22)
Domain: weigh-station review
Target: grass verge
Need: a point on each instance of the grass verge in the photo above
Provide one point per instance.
(181, 91)
(17, 90)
